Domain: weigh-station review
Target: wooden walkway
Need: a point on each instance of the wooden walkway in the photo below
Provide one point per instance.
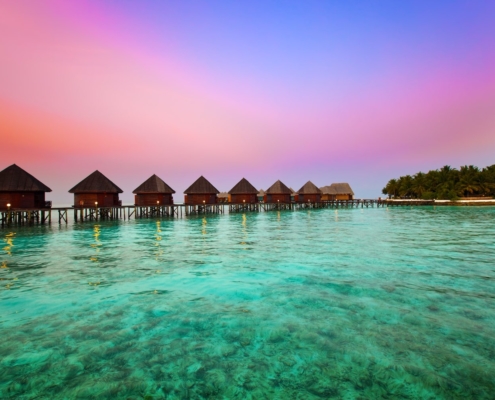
(46, 215)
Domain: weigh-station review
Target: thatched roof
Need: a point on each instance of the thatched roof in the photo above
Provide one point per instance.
(223, 195)
(261, 192)
(201, 186)
(327, 190)
(15, 179)
(243, 187)
(96, 183)
(154, 185)
(337, 188)
(278, 188)
(309, 188)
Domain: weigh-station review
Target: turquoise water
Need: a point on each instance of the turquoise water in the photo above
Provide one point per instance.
(352, 304)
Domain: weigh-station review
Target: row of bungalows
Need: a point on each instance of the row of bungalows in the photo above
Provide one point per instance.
(19, 189)
(98, 190)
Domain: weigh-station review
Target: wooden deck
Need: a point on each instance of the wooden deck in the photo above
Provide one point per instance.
(81, 214)
(46, 215)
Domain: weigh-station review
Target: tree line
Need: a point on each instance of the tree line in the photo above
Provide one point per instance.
(444, 183)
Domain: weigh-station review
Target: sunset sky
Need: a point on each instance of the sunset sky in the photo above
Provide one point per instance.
(328, 91)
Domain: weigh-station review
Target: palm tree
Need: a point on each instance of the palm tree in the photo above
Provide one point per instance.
(487, 180)
(469, 181)
(405, 188)
(445, 190)
(391, 189)
(445, 183)
(466, 187)
(419, 184)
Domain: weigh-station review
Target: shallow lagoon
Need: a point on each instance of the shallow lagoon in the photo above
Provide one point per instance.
(373, 303)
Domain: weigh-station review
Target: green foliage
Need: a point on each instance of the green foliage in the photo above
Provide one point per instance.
(445, 183)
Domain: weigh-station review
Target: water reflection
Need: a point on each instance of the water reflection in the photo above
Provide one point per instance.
(9, 240)
(158, 238)
(97, 244)
(244, 231)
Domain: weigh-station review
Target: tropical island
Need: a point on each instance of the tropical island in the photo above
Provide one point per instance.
(445, 183)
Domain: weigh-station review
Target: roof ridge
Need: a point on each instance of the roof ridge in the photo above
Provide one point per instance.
(154, 184)
(243, 187)
(201, 186)
(278, 187)
(14, 178)
(309, 188)
(96, 182)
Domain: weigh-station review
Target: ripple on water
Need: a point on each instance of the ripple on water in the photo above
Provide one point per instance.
(393, 303)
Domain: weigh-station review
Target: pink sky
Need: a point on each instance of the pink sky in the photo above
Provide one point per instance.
(92, 86)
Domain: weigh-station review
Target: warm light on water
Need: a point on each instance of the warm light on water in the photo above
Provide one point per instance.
(373, 303)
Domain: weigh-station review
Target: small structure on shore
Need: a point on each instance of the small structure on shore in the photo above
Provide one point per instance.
(261, 195)
(201, 192)
(243, 192)
(278, 193)
(96, 190)
(337, 191)
(153, 192)
(308, 193)
(21, 190)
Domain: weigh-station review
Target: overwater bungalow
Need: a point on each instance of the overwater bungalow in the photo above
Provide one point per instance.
(96, 190)
(201, 192)
(243, 192)
(337, 191)
(21, 190)
(308, 193)
(153, 192)
(278, 193)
